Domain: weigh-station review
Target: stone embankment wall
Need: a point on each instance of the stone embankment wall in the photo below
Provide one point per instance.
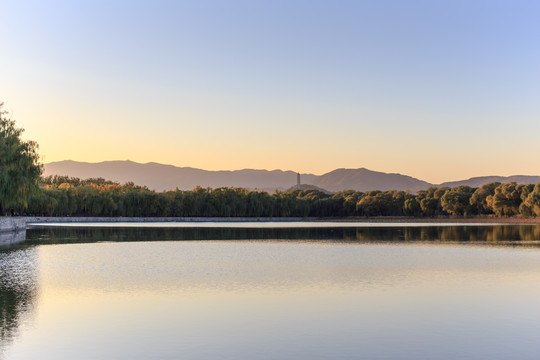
(12, 230)
(67, 219)
(12, 224)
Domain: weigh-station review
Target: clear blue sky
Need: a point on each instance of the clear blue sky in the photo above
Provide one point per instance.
(439, 90)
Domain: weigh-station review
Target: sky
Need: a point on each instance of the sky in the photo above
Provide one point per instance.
(439, 90)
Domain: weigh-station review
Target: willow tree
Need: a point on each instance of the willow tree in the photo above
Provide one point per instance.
(19, 165)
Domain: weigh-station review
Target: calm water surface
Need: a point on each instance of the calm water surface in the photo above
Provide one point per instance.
(437, 292)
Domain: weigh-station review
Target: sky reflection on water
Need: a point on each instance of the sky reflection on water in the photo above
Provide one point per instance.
(334, 296)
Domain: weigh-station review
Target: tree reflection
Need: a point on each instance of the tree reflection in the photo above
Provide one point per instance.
(9, 239)
(18, 289)
(503, 235)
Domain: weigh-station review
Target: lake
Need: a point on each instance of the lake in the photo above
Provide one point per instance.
(258, 291)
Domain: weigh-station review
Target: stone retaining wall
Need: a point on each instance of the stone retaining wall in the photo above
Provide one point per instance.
(67, 219)
(12, 224)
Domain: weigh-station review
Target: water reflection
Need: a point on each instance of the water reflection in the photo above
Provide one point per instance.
(494, 235)
(18, 289)
(499, 235)
(8, 239)
(371, 293)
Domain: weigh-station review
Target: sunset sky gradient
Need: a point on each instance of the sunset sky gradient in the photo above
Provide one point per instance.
(439, 90)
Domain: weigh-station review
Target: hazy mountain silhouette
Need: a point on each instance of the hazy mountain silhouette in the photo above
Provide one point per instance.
(365, 180)
(481, 180)
(161, 177)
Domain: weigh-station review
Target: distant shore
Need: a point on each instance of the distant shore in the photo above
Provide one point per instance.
(443, 219)
(95, 219)
(446, 220)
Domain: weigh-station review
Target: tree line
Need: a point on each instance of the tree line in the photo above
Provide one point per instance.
(24, 191)
(67, 196)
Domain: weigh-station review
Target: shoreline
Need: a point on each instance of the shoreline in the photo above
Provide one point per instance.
(445, 220)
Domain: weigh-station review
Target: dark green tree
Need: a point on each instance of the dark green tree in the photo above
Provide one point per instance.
(531, 203)
(456, 201)
(19, 165)
(411, 207)
(478, 199)
(430, 200)
(506, 199)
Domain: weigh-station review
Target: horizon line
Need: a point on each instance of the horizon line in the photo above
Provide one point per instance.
(232, 170)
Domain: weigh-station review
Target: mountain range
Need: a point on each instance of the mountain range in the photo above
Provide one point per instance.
(161, 177)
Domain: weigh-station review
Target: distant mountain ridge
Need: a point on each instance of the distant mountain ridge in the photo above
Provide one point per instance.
(365, 180)
(481, 180)
(162, 177)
